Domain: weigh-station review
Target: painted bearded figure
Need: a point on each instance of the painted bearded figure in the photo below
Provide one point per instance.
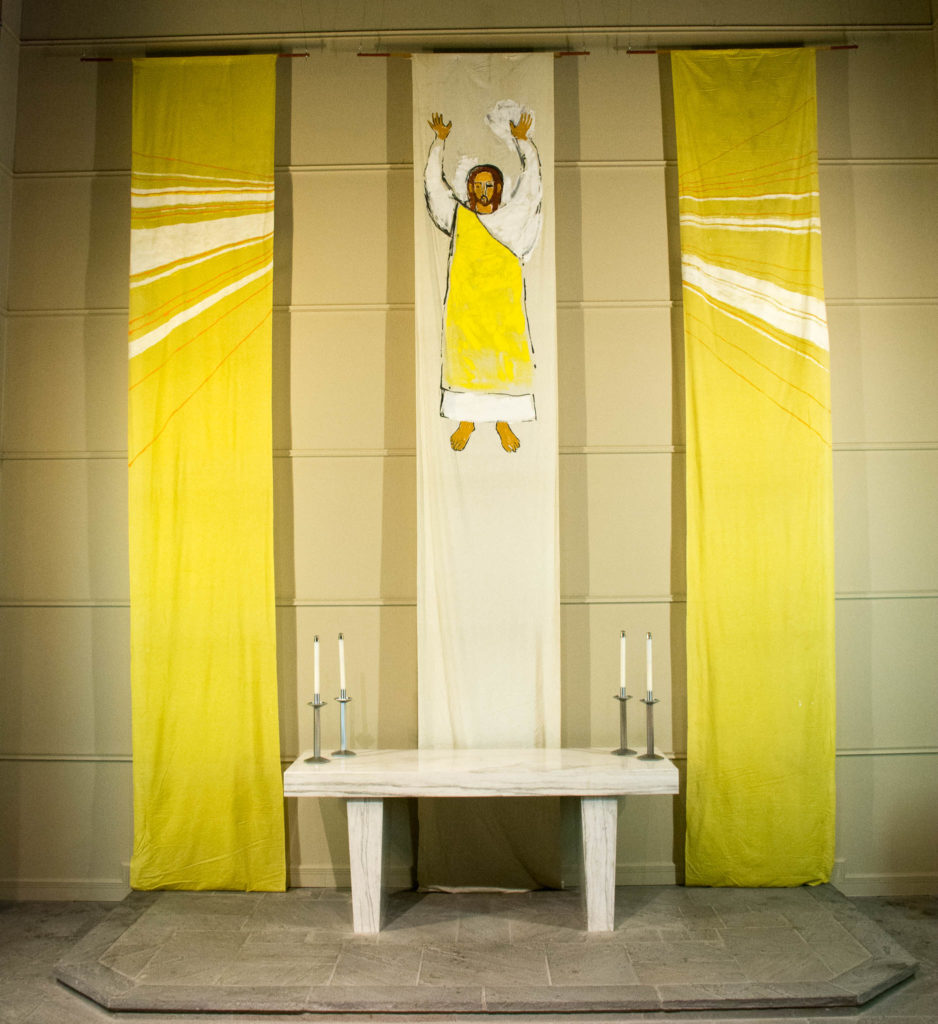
(488, 366)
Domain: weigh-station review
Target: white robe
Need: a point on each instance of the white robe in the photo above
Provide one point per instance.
(516, 224)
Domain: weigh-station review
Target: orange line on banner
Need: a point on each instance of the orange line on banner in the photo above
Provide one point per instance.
(794, 276)
(790, 161)
(760, 184)
(757, 389)
(185, 401)
(195, 163)
(183, 299)
(758, 362)
(187, 190)
(171, 212)
(195, 337)
(183, 260)
(755, 135)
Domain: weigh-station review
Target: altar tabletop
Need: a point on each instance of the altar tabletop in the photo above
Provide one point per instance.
(455, 773)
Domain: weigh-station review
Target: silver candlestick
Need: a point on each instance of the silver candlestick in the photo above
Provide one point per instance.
(317, 705)
(624, 747)
(343, 751)
(650, 754)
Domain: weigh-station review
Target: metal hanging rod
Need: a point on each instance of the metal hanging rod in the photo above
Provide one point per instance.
(126, 60)
(407, 56)
(685, 49)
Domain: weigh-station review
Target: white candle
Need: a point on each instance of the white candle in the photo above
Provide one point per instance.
(341, 666)
(648, 669)
(622, 664)
(316, 668)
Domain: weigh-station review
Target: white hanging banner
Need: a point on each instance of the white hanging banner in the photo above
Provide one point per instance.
(488, 608)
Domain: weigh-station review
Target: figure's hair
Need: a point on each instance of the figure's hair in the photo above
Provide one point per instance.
(497, 177)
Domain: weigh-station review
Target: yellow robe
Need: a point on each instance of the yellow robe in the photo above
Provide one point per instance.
(486, 343)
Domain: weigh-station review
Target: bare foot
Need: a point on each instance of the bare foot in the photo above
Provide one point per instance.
(460, 436)
(508, 437)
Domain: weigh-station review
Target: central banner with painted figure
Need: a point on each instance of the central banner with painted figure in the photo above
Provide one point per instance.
(488, 619)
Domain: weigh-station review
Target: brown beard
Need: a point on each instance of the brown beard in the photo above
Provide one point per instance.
(494, 202)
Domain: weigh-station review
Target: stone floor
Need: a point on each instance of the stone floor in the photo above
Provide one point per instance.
(517, 954)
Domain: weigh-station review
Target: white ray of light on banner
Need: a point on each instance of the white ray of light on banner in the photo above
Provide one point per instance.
(488, 565)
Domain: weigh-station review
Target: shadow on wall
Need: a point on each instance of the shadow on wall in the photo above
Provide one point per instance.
(678, 616)
(397, 620)
(284, 557)
(105, 429)
(575, 619)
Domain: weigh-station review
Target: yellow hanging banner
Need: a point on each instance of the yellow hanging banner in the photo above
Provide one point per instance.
(760, 577)
(208, 796)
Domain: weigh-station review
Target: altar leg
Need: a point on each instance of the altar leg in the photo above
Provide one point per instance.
(366, 860)
(599, 818)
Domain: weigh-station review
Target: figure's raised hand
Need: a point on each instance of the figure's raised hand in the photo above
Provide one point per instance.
(521, 129)
(439, 126)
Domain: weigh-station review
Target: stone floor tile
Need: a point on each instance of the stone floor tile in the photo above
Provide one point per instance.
(286, 972)
(277, 915)
(762, 940)
(130, 962)
(752, 917)
(496, 965)
(59, 1005)
(373, 965)
(788, 966)
(176, 971)
(17, 998)
(291, 944)
(600, 965)
(483, 930)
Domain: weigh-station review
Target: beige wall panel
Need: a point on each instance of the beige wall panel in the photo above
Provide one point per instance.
(615, 529)
(615, 377)
(66, 19)
(10, 15)
(650, 840)
(353, 380)
(9, 61)
(876, 221)
(317, 844)
(71, 237)
(353, 533)
(885, 823)
(884, 517)
(608, 107)
(884, 365)
(354, 111)
(886, 679)
(353, 237)
(66, 384)
(612, 234)
(6, 209)
(65, 821)
(73, 116)
(66, 686)
(878, 100)
(590, 639)
(64, 529)
(381, 675)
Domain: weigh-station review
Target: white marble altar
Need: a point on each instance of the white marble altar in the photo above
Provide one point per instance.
(597, 777)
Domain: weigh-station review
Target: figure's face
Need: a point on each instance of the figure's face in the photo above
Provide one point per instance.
(484, 192)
